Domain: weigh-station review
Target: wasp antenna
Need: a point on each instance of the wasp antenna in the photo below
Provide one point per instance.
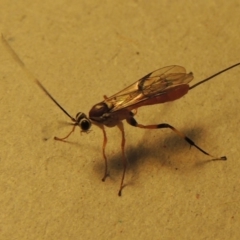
(214, 75)
(31, 76)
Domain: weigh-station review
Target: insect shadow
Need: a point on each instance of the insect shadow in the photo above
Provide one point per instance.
(160, 150)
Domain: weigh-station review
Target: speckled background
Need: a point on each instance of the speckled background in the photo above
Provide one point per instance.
(81, 50)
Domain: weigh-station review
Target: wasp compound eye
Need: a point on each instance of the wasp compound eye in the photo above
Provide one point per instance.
(85, 124)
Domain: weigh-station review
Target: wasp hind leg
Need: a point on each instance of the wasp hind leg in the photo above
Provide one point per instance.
(134, 123)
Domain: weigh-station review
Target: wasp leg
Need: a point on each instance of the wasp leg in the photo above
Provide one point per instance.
(121, 127)
(106, 174)
(134, 123)
(63, 139)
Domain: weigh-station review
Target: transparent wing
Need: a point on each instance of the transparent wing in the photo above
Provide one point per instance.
(153, 84)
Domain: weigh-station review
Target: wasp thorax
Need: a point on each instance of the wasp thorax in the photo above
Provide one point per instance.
(83, 122)
(98, 110)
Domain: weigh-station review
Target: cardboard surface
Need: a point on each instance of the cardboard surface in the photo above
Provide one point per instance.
(82, 50)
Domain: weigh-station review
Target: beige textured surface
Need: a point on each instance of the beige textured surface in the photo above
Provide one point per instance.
(81, 50)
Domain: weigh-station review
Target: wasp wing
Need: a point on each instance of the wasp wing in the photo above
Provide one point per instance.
(151, 85)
